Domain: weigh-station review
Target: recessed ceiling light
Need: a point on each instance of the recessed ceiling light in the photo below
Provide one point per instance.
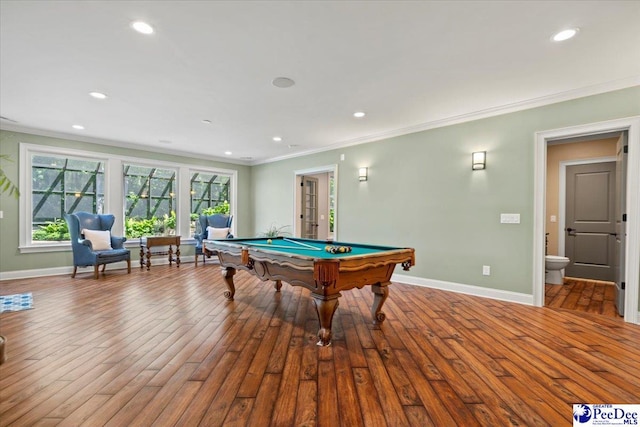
(142, 27)
(228, 153)
(282, 82)
(79, 127)
(565, 35)
(359, 114)
(207, 122)
(98, 95)
(277, 138)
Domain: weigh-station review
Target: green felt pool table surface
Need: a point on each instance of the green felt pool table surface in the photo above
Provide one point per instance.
(306, 247)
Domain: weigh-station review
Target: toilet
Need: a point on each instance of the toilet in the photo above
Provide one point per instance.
(554, 269)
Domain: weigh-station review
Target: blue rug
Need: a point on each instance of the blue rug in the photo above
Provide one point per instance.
(16, 302)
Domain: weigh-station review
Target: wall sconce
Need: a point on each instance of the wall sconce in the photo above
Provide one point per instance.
(479, 160)
(362, 174)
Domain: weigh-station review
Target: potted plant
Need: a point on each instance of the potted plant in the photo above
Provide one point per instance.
(274, 231)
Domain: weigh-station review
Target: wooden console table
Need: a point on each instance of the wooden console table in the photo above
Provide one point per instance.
(146, 243)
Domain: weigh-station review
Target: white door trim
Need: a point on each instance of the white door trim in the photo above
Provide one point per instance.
(562, 194)
(632, 250)
(296, 198)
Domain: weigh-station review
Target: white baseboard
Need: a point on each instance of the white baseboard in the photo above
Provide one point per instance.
(461, 288)
(401, 278)
(58, 271)
(469, 290)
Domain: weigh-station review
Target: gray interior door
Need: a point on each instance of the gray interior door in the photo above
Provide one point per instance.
(309, 207)
(590, 221)
(621, 214)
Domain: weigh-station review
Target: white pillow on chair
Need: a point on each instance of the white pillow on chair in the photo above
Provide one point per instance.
(100, 239)
(217, 233)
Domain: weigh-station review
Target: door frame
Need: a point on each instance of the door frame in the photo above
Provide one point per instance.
(632, 250)
(562, 194)
(296, 193)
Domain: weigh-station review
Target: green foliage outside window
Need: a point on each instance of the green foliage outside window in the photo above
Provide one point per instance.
(222, 208)
(331, 219)
(56, 230)
(138, 227)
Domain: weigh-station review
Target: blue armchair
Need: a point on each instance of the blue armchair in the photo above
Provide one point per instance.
(84, 254)
(216, 221)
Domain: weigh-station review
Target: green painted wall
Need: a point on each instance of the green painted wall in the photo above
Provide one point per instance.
(423, 194)
(10, 257)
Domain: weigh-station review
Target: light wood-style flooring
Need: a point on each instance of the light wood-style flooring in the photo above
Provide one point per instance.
(165, 348)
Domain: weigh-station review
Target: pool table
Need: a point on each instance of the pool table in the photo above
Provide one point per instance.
(307, 263)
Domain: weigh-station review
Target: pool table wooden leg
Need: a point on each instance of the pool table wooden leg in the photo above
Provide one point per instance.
(228, 273)
(326, 307)
(277, 285)
(380, 294)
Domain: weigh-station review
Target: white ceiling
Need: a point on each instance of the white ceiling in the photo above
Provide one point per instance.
(408, 65)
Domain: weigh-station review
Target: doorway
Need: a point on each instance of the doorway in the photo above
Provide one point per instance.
(584, 187)
(315, 201)
(543, 215)
(589, 215)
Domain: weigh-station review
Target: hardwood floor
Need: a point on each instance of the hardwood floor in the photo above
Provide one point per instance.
(165, 348)
(590, 296)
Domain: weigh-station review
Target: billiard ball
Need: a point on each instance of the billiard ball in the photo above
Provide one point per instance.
(269, 241)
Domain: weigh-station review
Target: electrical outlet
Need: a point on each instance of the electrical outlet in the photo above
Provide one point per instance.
(486, 270)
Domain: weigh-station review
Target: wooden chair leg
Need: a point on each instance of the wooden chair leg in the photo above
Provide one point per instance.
(104, 267)
(128, 266)
(75, 269)
(95, 271)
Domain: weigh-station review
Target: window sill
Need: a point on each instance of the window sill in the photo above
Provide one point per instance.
(66, 246)
(46, 247)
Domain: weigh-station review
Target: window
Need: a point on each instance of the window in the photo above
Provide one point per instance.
(209, 195)
(150, 200)
(59, 185)
(147, 196)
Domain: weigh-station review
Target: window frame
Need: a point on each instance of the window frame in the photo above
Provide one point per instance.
(27, 151)
(233, 191)
(113, 192)
(155, 165)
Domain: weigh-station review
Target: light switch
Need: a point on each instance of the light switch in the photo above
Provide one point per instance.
(509, 218)
(321, 216)
(553, 218)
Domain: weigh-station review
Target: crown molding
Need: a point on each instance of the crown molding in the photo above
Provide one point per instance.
(476, 115)
(112, 143)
